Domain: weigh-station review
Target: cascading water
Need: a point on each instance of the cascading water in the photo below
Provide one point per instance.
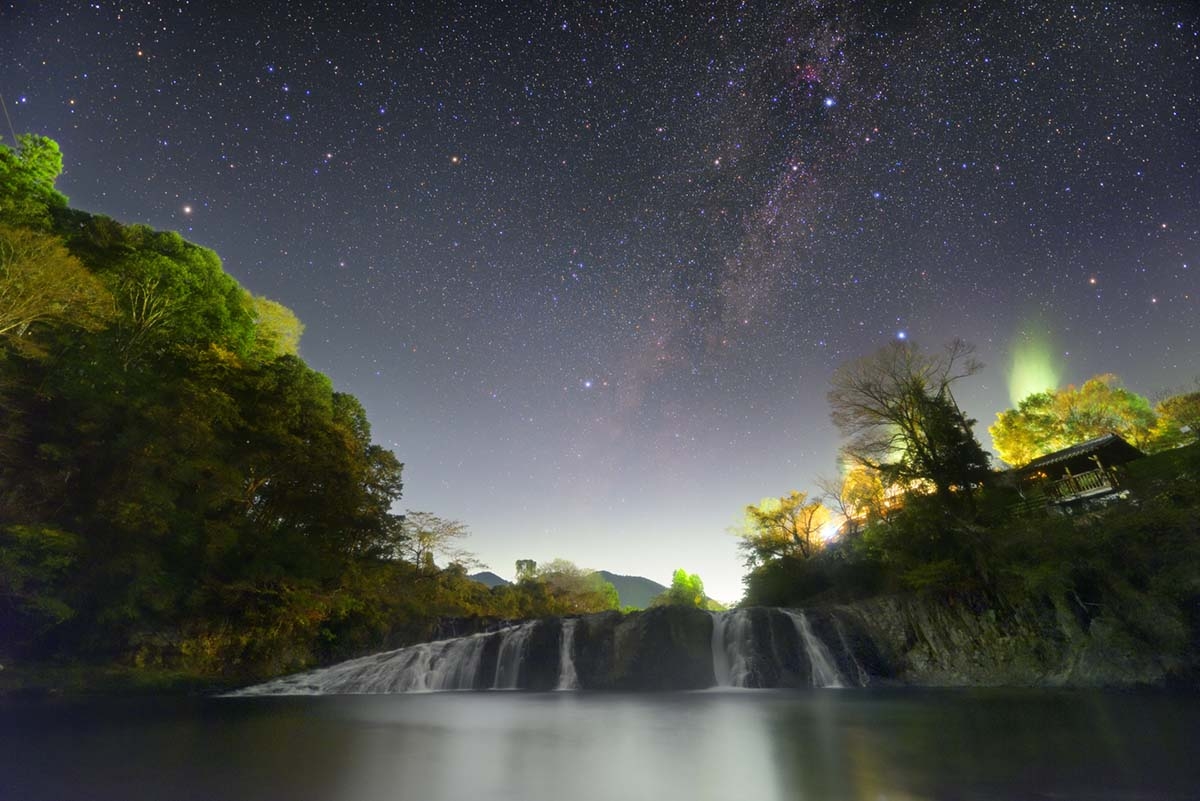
(730, 639)
(657, 649)
(863, 678)
(443, 665)
(512, 653)
(568, 679)
(824, 671)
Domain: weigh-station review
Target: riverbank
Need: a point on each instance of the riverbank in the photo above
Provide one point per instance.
(53, 680)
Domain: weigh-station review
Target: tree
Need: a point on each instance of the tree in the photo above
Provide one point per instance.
(686, 590)
(27, 176)
(171, 291)
(426, 535)
(277, 330)
(1178, 421)
(578, 589)
(41, 284)
(1049, 421)
(897, 408)
(859, 495)
(786, 526)
(526, 570)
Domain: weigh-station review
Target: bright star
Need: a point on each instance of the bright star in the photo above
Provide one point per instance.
(830, 102)
(187, 209)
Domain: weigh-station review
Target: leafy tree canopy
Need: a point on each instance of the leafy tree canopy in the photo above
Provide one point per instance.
(1049, 421)
(580, 589)
(686, 590)
(27, 176)
(1178, 421)
(42, 284)
(785, 526)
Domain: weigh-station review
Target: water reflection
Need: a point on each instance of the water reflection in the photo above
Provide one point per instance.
(821, 745)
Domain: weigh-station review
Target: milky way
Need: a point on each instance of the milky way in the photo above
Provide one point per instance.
(590, 265)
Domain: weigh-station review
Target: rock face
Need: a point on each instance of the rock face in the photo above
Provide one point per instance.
(892, 640)
(1044, 645)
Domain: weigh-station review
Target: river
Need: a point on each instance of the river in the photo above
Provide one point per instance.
(820, 744)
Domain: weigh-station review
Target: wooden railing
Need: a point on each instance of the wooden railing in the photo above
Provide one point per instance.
(1093, 481)
(1041, 496)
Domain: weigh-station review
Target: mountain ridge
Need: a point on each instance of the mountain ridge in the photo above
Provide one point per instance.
(633, 591)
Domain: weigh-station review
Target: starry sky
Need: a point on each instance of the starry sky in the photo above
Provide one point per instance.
(590, 265)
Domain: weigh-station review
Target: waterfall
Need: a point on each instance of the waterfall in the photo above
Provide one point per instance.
(456, 664)
(824, 671)
(567, 678)
(730, 640)
(662, 648)
(442, 665)
(512, 653)
(863, 678)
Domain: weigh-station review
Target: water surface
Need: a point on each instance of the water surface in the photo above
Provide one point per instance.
(817, 744)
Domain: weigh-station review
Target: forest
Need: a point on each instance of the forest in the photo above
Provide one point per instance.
(920, 509)
(180, 494)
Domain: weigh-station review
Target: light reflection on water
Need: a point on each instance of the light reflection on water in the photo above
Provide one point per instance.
(821, 745)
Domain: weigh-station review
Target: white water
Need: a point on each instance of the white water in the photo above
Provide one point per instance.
(460, 664)
(567, 678)
(442, 665)
(863, 678)
(824, 671)
(730, 639)
(512, 654)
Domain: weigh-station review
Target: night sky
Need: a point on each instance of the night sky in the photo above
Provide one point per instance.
(590, 265)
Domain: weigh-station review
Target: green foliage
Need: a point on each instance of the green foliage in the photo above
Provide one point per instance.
(178, 489)
(43, 286)
(27, 176)
(34, 561)
(1048, 421)
(686, 590)
(526, 570)
(172, 293)
(575, 590)
(277, 330)
(1178, 422)
(1133, 565)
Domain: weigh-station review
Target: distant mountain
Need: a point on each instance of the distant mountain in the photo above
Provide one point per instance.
(635, 591)
(489, 578)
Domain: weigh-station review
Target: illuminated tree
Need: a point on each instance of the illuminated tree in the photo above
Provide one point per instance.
(427, 536)
(1049, 421)
(1178, 421)
(902, 420)
(786, 526)
(41, 284)
(277, 330)
(27, 176)
(686, 590)
(581, 590)
(859, 495)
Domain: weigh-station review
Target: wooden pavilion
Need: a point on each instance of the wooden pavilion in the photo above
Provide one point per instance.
(1076, 473)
